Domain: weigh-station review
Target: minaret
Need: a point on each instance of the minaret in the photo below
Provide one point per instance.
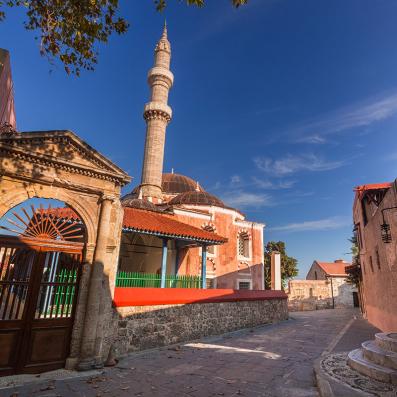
(157, 114)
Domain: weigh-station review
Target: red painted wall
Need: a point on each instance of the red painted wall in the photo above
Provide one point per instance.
(167, 296)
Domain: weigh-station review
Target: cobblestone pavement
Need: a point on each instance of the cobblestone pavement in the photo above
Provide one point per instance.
(273, 360)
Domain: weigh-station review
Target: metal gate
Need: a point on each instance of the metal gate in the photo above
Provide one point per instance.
(38, 290)
(39, 278)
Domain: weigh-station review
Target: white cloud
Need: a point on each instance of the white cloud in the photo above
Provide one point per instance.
(241, 199)
(267, 184)
(235, 180)
(331, 223)
(315, 139)
(344, 119)
(291, 164)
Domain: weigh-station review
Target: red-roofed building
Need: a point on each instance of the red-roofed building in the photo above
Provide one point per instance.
(343, 293)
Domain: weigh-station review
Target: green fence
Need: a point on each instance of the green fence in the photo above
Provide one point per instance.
(64, 294)
(147, 280)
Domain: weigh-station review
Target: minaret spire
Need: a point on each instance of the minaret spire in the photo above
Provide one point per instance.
(157, 114)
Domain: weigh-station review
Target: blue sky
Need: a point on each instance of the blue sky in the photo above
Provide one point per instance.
(280, 107)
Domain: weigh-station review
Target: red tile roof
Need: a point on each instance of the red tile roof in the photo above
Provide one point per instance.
(334, 268)
(360, 190)
(154, 223)
(164, 224)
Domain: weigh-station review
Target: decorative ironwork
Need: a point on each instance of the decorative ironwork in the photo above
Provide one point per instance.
(45, 223)
(385, 232)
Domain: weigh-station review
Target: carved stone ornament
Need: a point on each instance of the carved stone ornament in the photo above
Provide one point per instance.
(6, 129)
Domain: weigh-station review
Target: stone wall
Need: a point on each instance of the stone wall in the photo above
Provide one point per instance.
(144, 327)
(316, 294)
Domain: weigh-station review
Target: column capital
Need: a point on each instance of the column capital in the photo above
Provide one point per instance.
(107, 197)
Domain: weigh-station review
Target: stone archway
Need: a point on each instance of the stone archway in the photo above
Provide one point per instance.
(59, 165)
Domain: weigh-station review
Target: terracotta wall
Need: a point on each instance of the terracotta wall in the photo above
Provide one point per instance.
(225, 263)
(379, 285)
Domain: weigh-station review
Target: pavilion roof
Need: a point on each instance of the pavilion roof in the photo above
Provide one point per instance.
(164, 225)
(154, 223)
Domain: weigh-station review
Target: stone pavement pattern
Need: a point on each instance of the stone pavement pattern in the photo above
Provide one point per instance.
(272, 360)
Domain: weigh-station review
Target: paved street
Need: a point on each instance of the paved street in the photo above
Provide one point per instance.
(273, 360)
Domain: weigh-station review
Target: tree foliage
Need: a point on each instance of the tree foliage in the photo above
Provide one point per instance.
(289, 265)
(70, 30)
(354, 274)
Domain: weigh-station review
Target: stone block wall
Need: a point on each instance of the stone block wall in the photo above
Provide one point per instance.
(316, 294)
(144, 327)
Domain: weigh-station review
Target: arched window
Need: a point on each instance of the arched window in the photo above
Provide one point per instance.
(243, 245)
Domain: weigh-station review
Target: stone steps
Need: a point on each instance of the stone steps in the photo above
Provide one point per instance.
(387, 341)
(372, 352)
(357, 361)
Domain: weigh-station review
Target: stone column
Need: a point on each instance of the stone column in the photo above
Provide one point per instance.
(87, 350)
(275, 271)
(204, 267)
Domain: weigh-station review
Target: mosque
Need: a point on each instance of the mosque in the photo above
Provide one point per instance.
(236, 261)
(100, 275)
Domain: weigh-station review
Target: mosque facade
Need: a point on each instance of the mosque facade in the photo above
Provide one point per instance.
(237, 262)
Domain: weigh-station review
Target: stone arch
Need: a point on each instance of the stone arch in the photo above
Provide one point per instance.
(87, 213)
(59, 165)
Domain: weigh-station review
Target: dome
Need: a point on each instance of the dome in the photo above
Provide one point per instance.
(177, 183)
(197, 198)
(131, 201)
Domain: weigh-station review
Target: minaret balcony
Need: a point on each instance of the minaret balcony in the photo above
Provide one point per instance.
(160, 73)
(157, 108)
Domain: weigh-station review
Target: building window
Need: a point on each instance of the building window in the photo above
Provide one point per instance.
(315, 275)
(210, 282)
(371, 264)
(364, 210)
(244, 284)
(377, 259)
(243, 245)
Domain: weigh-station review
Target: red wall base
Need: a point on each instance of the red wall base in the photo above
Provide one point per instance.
(169, 296)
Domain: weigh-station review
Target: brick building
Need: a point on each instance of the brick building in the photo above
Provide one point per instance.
(375, 226)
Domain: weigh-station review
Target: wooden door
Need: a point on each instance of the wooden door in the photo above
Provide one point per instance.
(38, 291)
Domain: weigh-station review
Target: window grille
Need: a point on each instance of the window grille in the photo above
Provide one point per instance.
(243, 245)
(210, 283)
(244, 285)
